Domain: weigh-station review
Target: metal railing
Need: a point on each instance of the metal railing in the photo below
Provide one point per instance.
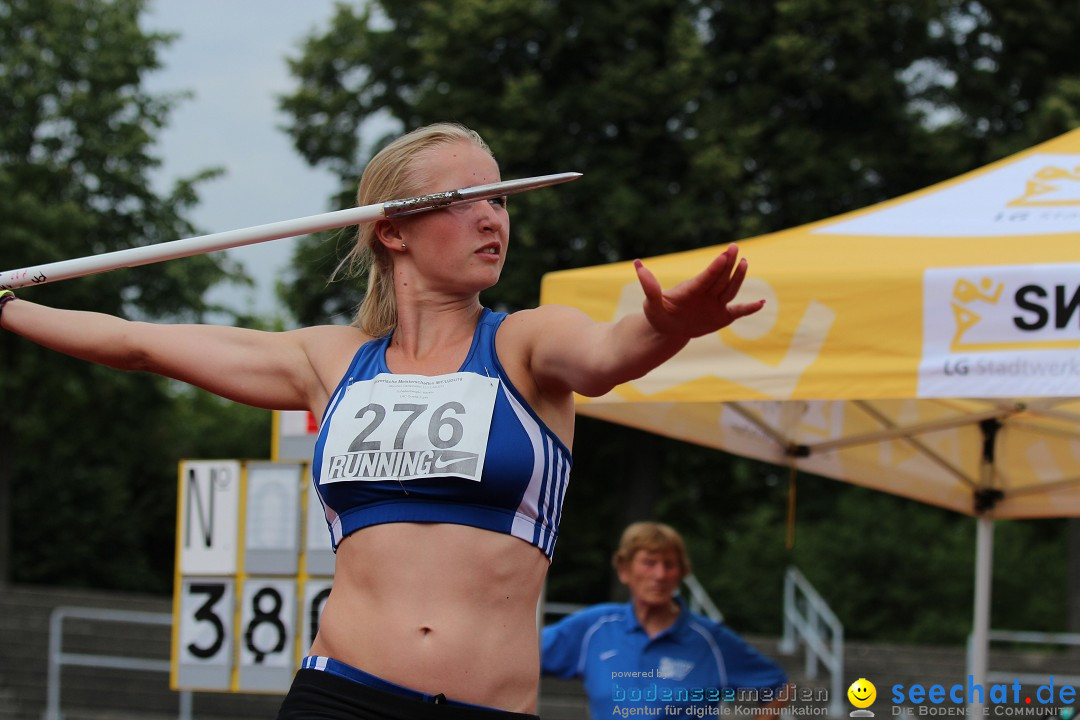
(699, 600)
(58, 658)
(809, 620)
(1032, 638)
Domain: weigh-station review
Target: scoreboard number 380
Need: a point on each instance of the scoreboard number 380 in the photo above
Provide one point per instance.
(253, 571)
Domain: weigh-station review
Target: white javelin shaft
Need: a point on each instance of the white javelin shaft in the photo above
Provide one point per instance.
(133, 257)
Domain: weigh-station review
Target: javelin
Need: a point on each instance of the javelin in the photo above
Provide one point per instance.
(133, 257)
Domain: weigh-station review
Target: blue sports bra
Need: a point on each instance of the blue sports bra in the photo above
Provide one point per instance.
(407, 448)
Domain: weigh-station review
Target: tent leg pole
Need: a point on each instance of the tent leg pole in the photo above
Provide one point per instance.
(980, 636)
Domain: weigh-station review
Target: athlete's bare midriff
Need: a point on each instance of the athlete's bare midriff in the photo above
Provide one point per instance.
(438, 608)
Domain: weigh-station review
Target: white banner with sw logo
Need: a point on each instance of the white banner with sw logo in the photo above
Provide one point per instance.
(1035, 195)
(1001, 331)
(406, 427)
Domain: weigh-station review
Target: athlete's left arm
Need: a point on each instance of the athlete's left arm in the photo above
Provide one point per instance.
(572, 351)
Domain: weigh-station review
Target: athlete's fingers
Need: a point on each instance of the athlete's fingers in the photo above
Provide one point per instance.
(743, 309)
(704, 283)
(731, 289)
(649, 284)
(717, 275)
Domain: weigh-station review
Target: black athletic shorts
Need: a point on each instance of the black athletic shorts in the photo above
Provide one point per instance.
(321, 695)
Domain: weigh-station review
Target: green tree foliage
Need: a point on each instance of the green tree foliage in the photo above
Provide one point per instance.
(1005, 76)
(89, 454)
(697, 122)
(694, 123)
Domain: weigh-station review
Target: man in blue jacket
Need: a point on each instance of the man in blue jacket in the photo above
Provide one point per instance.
(652, 656)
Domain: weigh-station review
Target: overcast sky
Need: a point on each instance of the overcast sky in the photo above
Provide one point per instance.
(231, 55)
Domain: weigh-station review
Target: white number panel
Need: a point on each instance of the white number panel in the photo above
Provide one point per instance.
(251, 576)
(203, 648)
(268, 641)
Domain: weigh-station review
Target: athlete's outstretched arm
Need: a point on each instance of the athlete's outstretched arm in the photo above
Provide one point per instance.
(591, 358)
(264, 369)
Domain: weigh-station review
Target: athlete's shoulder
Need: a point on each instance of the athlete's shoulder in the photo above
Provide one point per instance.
(542, 323)
(327, 338)
(329, 330)
(330, 349)
(546, 314)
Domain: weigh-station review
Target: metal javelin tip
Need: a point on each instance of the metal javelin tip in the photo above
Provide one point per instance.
(423, 203)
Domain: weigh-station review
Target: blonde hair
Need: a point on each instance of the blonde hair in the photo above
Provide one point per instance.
(393, 173)
(652, 536)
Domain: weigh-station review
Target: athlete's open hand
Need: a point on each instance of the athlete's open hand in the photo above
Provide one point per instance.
(700, 305)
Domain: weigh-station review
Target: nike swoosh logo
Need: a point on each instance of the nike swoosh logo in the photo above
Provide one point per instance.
(457, 462)
(609, 654)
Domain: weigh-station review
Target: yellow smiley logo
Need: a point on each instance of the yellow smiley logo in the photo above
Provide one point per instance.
(862, 693)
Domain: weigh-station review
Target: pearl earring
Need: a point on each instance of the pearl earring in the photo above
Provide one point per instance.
(402, 246)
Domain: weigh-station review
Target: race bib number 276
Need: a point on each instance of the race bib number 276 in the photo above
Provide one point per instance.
(406, 427)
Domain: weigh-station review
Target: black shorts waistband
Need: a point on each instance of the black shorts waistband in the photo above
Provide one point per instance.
(328, 696)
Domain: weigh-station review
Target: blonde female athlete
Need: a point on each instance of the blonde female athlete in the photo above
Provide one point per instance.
(445, 435)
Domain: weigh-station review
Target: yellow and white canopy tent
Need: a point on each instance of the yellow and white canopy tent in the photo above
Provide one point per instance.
(928, 347)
